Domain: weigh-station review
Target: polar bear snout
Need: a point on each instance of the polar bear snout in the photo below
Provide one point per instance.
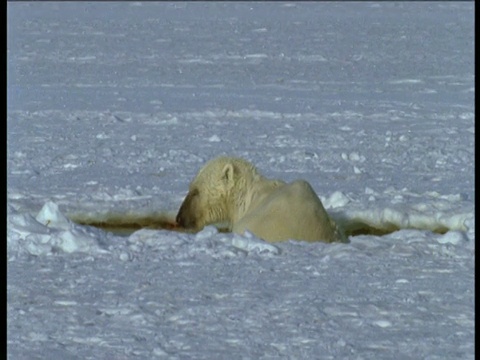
(186, 216)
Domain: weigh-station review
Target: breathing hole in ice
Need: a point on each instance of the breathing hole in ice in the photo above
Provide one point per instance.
(126, 224)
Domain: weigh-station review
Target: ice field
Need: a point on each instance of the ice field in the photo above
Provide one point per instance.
(113, 107)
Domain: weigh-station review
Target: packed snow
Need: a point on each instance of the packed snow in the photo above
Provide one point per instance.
(112, 109)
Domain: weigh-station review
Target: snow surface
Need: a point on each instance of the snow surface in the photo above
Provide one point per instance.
(113, 108)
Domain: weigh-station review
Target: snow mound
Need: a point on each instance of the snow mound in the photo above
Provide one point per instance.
(50, 232)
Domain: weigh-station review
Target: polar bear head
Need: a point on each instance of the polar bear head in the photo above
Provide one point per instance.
(216, 193)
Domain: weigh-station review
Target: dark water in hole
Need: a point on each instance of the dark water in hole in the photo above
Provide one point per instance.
(125, 225)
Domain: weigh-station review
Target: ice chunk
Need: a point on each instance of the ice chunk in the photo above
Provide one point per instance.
(51, 216)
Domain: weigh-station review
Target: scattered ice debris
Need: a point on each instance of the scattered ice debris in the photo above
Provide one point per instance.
(207, 242)
(214, 138)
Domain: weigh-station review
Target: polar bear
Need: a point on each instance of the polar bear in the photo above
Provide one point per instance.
(231, 190)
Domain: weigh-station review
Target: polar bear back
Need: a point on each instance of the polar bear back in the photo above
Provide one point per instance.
(291, 211)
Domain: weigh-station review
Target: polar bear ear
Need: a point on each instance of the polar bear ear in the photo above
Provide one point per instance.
(227, 175)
